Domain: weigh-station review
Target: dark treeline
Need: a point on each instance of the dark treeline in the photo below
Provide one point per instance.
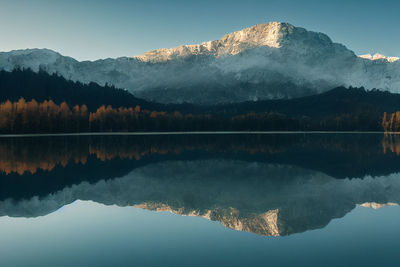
(337, 101)
(48, 103)
(41, 86)
(48, 117)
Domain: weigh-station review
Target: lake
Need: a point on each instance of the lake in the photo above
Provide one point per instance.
(301, 199)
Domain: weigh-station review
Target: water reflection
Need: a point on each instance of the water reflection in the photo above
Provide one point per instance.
(270, 185)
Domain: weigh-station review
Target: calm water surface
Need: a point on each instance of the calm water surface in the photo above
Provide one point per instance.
(200, 200)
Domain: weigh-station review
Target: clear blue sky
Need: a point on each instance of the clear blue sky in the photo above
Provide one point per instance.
(93, 29)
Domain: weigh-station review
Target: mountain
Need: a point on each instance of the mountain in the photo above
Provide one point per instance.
(266, 61)
(273, 200)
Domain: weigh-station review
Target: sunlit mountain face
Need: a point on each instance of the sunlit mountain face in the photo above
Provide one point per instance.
(272, 185)
(266, 61)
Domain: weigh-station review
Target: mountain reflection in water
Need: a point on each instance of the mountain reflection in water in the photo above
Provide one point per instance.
(266, 184)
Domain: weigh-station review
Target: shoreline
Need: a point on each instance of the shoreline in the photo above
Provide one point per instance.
(193, 133)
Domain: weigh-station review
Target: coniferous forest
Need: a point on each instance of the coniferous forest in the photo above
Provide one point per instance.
(43, 103)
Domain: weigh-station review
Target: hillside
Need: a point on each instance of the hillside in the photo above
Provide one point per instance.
(340, 109)
(337, 101)
(43, 86)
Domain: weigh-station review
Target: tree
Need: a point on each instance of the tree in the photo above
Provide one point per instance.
(384, 122)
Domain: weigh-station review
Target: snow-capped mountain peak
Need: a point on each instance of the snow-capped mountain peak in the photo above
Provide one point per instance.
(272, 35)
(273, 60)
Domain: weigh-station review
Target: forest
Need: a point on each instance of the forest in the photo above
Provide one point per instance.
(47, 117)
(42, 86)
(48, 103)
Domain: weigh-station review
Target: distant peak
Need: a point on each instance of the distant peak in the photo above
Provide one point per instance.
(378, 56)
(376, 206)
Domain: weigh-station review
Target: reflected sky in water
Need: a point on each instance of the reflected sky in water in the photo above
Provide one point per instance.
(300, 200)
(90, 234)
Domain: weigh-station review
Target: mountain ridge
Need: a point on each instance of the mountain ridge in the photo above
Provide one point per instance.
(266, 61)
(273, 34)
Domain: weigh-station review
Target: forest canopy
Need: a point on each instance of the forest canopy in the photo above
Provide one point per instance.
(48, 103)
(47, 117)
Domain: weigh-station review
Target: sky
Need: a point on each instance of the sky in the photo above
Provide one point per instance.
(94, 29)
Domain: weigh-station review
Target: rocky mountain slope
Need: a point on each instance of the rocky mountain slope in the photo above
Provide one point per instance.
(266, 61)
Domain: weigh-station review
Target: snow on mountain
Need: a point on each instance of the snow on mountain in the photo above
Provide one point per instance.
(272, 35)
(266, 61)
(300, 200)
(378, 56)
